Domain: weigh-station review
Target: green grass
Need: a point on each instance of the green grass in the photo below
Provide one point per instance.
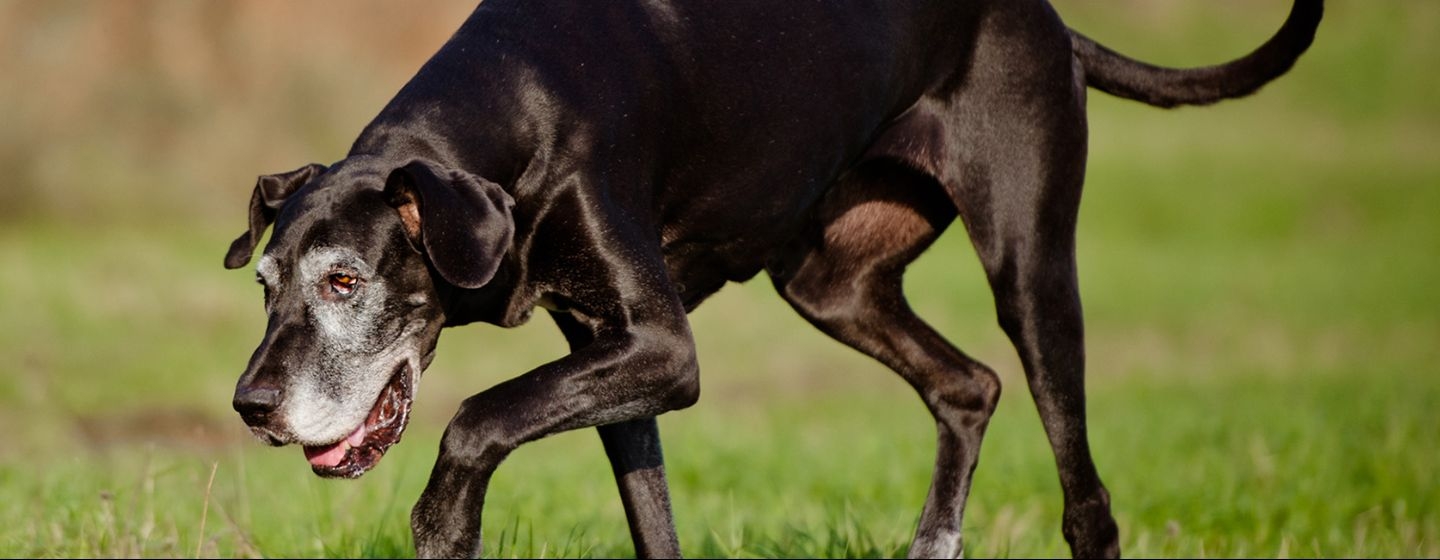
(1320, 466)
(1262, 322)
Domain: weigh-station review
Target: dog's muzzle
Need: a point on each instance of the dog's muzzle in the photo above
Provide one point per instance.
(362, 449)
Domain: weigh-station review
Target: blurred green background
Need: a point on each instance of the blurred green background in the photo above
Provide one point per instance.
(1260, 280)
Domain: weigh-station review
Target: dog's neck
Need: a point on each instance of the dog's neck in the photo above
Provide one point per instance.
(492, 303)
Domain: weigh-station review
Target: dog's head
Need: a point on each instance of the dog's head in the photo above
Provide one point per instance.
(352, 278)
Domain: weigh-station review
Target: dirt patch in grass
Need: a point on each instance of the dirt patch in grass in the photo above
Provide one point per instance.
(173, 428)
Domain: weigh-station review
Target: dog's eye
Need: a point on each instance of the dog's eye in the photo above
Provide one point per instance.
(343, 283)
(261, 282)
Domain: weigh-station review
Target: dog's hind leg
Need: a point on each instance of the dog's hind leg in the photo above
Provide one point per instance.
(1018, 146)
(843, 274)
(1029, 258)
(639, 464)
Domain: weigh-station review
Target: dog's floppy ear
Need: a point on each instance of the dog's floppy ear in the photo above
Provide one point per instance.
(270, 192)
(460, 220)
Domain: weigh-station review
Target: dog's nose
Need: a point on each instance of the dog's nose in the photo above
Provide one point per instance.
(256, 402)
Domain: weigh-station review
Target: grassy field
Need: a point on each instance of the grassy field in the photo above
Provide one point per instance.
(1259, 277)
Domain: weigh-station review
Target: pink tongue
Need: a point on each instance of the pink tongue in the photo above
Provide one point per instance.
(331, 455)
(327, 456)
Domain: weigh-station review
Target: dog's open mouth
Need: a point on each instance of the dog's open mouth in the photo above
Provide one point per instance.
(362, 449)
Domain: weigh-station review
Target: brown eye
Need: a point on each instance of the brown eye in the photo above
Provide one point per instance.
(343, 283)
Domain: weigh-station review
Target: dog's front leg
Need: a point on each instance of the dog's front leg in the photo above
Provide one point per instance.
(630, 371)
(639, 465)
(634, 451)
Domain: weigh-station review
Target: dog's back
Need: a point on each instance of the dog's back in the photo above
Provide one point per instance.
(694, 109)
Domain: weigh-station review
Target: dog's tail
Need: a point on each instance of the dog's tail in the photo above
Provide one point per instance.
(1121, 76)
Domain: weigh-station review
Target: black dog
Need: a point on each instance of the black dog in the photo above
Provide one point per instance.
(616, 164)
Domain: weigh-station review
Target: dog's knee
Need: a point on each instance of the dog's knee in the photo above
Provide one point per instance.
(821, 296)
(965, 400)
(475, 438)
(671, 369)
(683, 389)
(986, 388)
